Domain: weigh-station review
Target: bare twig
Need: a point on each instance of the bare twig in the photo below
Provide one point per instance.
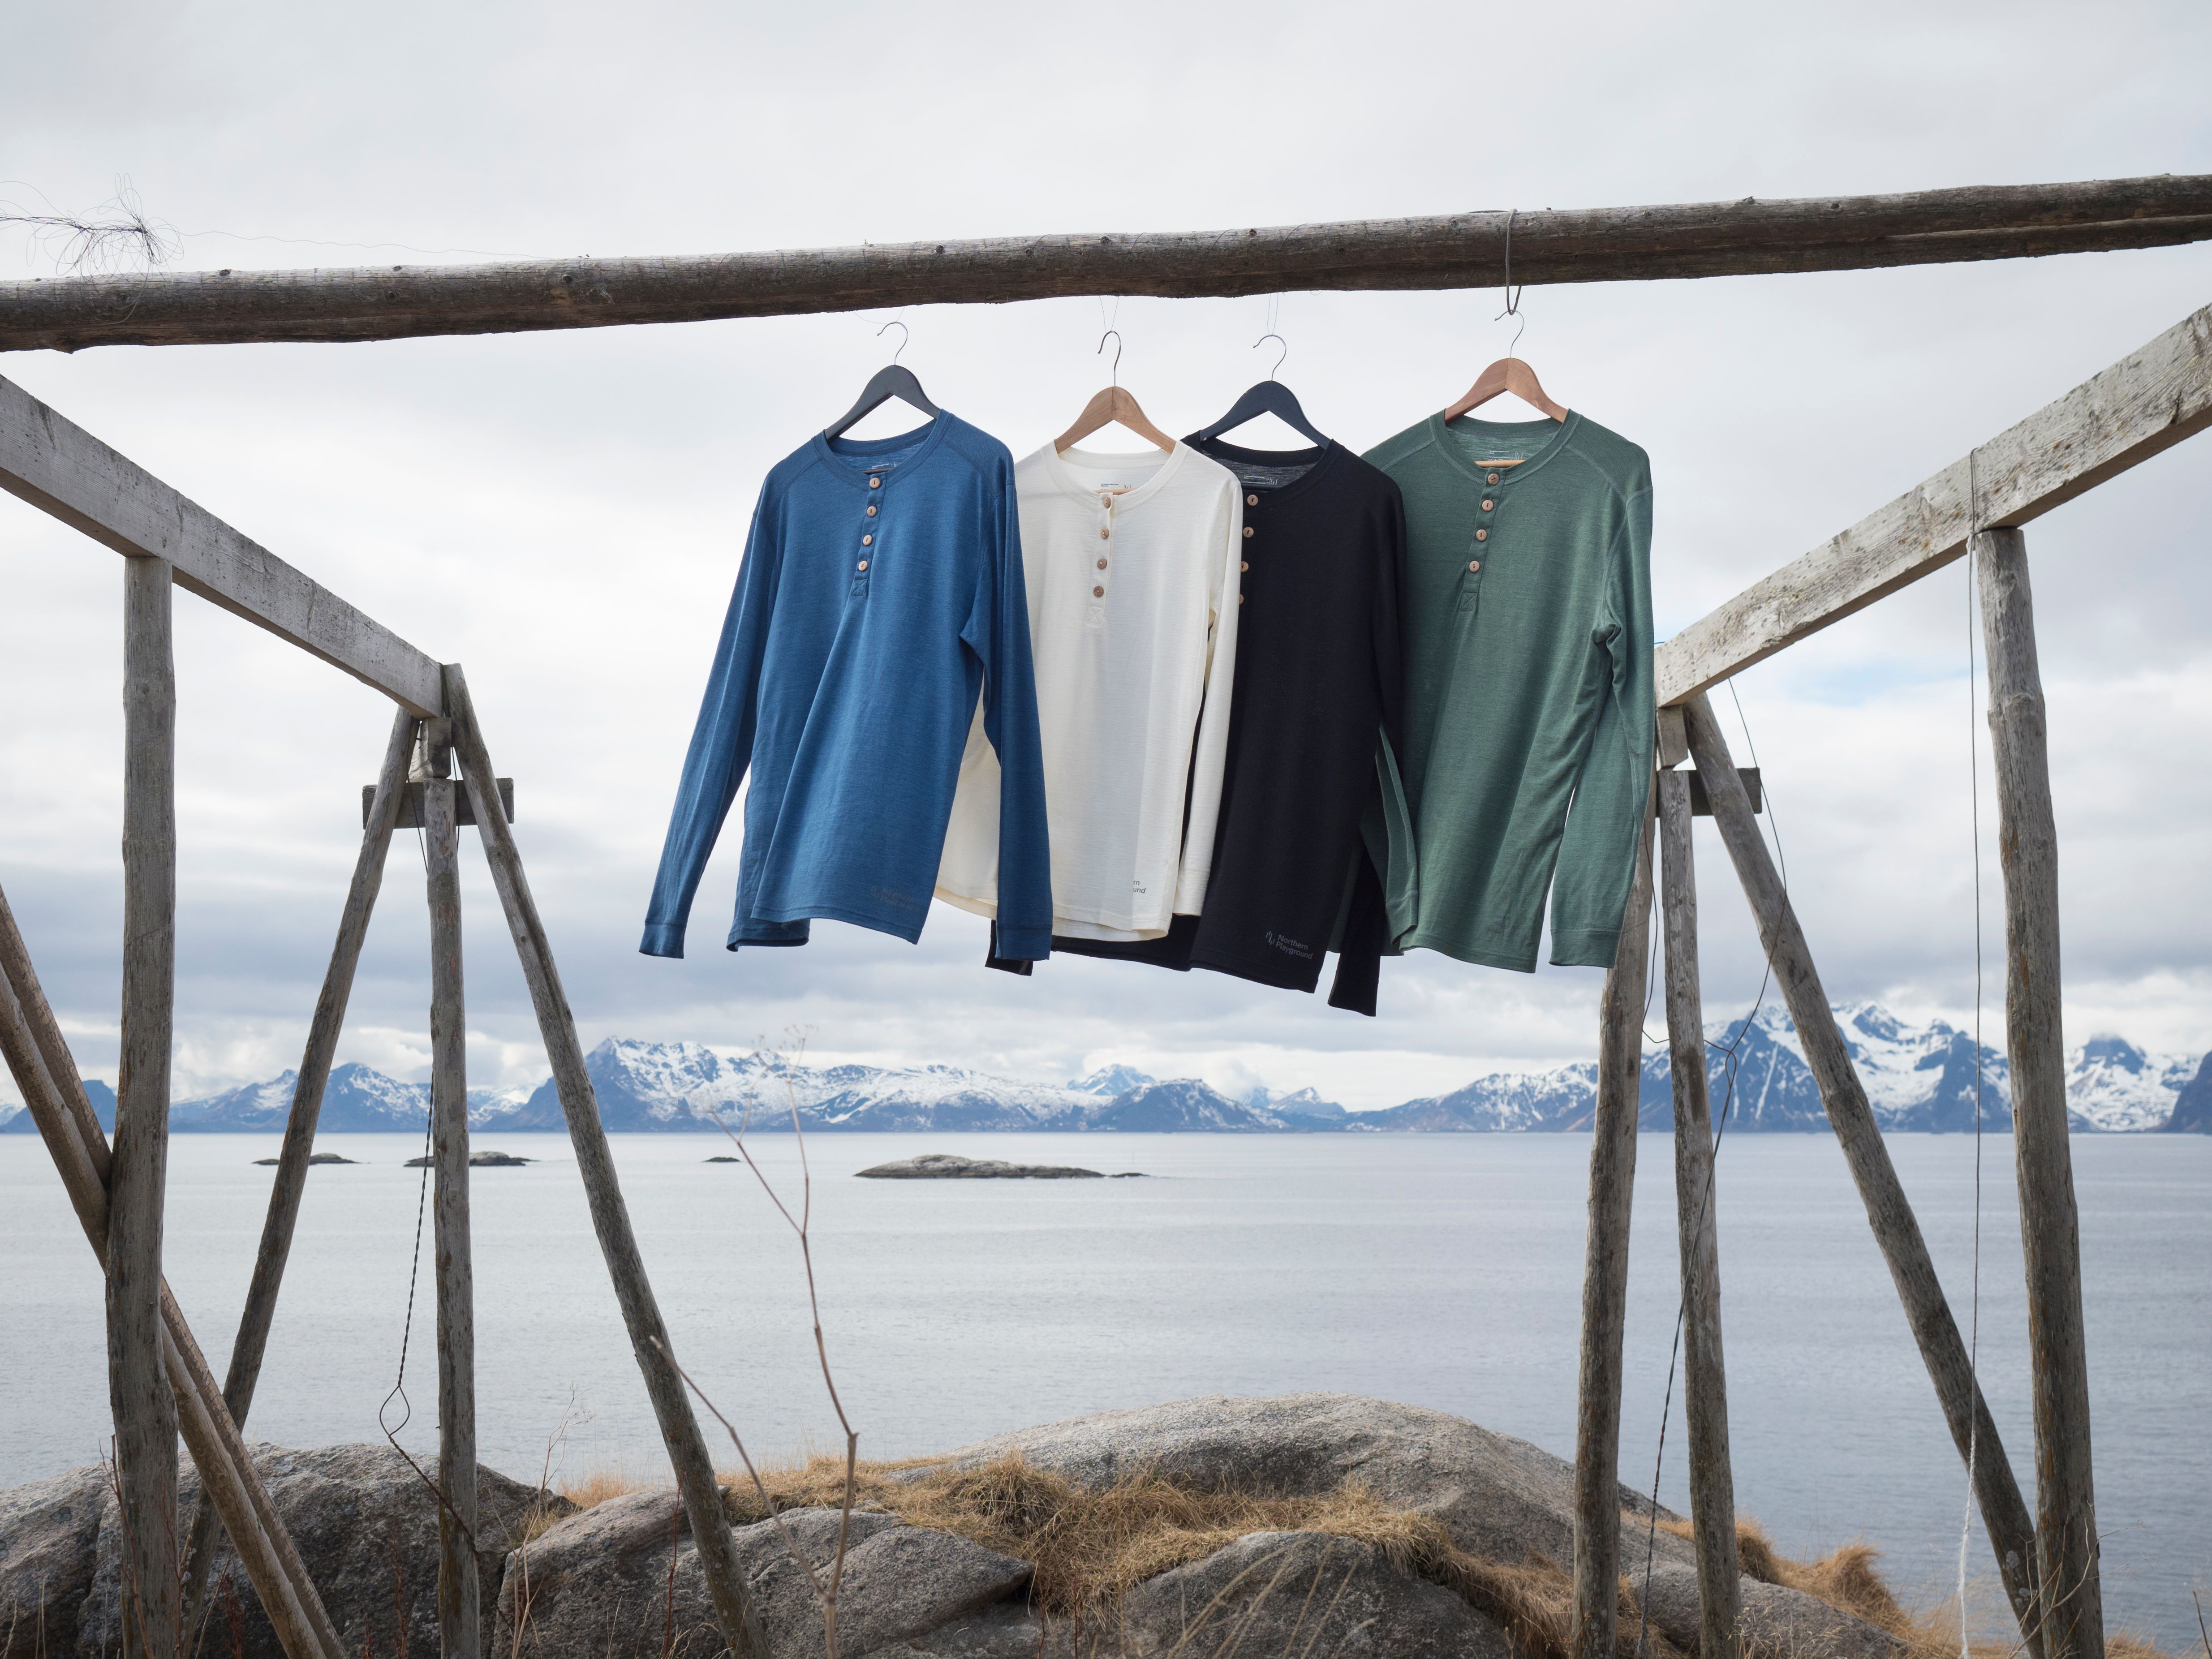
(675, 1543)
(785, 1065)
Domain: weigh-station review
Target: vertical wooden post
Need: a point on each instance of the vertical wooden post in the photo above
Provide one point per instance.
(291, 1181)
(2028, 839)
(458, 1613)
(138, 1380)
(1705, 1391)
(648, 1334)
(2012, 1533)
(1605, 1274)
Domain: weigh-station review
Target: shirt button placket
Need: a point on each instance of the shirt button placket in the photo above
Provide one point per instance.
(1105, 534)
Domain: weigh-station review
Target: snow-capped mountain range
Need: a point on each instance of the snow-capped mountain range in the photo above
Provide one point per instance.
(1918, 1078)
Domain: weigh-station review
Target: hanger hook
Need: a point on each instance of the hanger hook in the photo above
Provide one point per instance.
(1512, 299)
(1116, 334)
(906, 336)
(1279, 355)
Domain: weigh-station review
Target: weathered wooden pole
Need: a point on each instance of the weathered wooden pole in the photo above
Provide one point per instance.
(276, 1228)
(459, 1610)
(2028, 841)
(648, 1334)
(1465, 250)
(138, 1380)
(1605, 1274)
(31, 1042)
(1704, 1390)
(2012, 1533)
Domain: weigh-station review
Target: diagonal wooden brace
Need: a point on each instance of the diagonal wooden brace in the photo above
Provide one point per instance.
(28, 1034)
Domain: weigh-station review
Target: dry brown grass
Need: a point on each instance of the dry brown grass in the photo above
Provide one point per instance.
(1089, 1547)
(601, 1482)
(1850, 1580)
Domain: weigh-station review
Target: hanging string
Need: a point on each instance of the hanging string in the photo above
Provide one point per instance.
(407, 1330)
(406, 1333)
(1974, 809)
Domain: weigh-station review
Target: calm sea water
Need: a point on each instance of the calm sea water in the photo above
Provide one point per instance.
(1440, 1270)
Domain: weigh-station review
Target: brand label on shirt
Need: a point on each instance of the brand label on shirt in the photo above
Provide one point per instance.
(1289, 946)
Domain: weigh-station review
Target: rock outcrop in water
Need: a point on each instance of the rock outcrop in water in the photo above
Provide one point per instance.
(315, 1157)
(480, 1161)
(622, 1580)
(947, 1166)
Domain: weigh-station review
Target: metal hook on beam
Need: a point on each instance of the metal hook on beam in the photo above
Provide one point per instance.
(1280, 356)
(1116, 335)
(906, 336)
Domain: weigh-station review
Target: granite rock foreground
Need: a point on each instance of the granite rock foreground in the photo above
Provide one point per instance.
(622, 1580)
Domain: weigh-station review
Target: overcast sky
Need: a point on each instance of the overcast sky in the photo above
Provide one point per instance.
(562, 512)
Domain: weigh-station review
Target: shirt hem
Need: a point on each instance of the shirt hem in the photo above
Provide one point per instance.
(1259, 971)
(875, 922)
(1513, 962)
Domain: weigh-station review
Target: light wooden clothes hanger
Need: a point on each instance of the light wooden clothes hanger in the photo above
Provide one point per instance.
(1114, 403)
(1507, 374)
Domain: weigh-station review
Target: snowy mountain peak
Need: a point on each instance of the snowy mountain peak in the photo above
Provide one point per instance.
(1919, 1076)
(1110, 1080)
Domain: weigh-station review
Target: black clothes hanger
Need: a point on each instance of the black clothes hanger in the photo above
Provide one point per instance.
(887, 382)
(1270, 396)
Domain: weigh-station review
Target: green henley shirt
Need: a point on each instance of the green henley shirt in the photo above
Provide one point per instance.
(1528, 751)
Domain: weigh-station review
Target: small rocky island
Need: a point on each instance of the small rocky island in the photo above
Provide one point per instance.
(480, 1161)
(947, 1166)
(319, 1157)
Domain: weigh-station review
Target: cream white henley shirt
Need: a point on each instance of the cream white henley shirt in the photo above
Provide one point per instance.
(1131, 562)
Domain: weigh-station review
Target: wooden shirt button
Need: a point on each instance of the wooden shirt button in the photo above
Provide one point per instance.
(1251, 501)
(1494, 477)
(1248, 531)
(1097, 593)
(1475, 564)
(871, 509)
(867, 541)
(1102, 564)
(864, 564)
(1482, 534)
(1487, 503)
(1245, 565)
(875, 483)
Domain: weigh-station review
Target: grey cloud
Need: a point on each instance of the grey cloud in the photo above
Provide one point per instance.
(562, 512)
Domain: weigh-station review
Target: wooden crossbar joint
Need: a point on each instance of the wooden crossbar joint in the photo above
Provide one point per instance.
(410, 804)
(1701, 804)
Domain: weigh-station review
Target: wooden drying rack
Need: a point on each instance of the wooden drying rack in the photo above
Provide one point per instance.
(161, 1383)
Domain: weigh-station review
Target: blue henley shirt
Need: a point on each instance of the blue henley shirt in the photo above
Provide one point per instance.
(880, 592)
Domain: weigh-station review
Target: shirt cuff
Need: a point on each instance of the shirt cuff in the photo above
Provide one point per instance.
(662, 938)
(1025, 944)
(1585, 947)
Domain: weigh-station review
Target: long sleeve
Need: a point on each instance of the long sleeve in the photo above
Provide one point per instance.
(1210, 752)
(1597, 852)
(1368, 925)
(998, 631)
(721, 741)
(1387, 622)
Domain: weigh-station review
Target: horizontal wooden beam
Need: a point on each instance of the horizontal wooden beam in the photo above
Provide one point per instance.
(2148, 402)
(1464, 250)
(60, 468)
